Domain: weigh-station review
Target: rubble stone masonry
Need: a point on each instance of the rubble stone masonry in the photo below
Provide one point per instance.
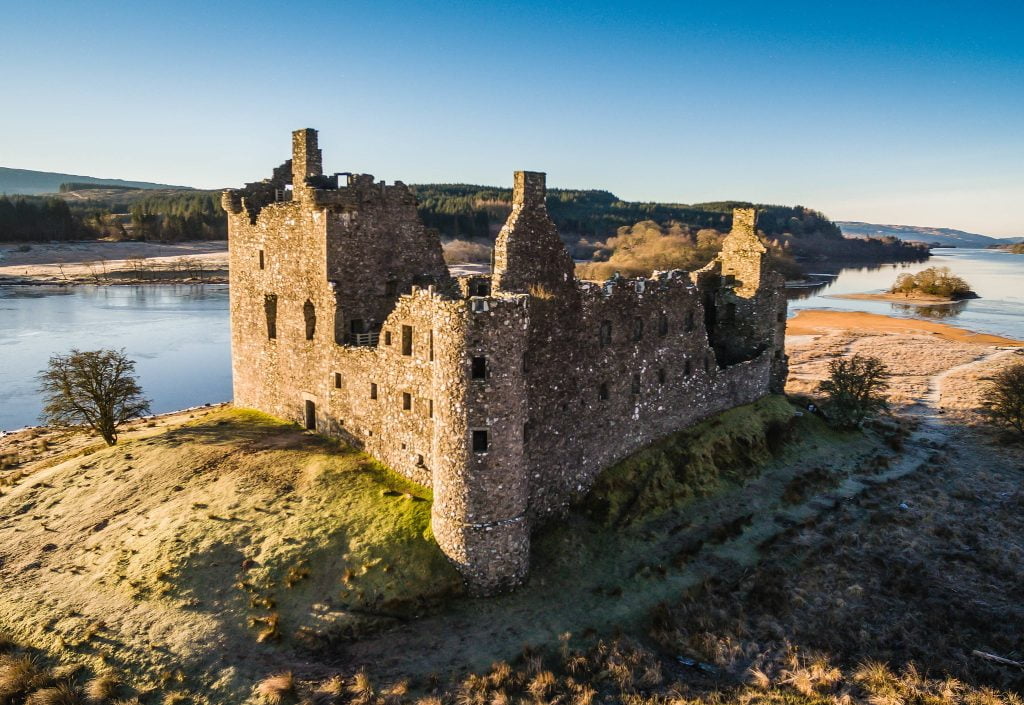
(507, 393)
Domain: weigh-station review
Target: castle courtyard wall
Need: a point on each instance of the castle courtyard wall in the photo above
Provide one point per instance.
(561, 377)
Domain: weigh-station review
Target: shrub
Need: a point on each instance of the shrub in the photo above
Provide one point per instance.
(855, 389)
(464, 251)
(934, 281)
(1004, 398)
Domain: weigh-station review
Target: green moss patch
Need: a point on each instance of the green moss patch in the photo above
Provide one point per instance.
(727, 448)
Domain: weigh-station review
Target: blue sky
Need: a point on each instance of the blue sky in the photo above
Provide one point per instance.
(887, 112)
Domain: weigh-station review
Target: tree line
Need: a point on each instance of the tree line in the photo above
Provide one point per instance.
(189, 215)
(585, 219)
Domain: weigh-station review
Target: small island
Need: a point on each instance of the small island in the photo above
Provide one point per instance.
(935, 285)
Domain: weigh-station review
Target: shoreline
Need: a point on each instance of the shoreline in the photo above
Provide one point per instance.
(814, 321)
(913, 300)
(102, 263)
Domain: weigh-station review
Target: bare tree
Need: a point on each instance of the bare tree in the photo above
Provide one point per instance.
(855, 389)
(1004, 398)
(94, 388)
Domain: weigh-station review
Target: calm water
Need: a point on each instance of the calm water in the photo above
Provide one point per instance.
(998, 277)
(178, 336)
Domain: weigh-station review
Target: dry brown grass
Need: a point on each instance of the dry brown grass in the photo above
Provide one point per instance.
(19, 675)
(60, 694)
(277, 688)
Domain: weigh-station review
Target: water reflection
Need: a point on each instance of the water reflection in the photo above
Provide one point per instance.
(997, 276)
(938, 311)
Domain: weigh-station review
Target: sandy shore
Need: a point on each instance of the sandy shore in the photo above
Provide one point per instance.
(99, 262)
(816, 321)
(914, 351)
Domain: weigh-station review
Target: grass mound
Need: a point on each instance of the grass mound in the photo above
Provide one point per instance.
(236, 532)
(691, 463)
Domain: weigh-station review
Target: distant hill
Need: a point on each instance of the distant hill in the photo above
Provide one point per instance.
(914, 233)
(30, 183)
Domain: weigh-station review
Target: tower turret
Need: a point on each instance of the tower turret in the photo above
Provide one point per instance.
(307, 160)
(529, 252)
(743, 255)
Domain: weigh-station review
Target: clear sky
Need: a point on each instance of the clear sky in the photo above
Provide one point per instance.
(894, 112)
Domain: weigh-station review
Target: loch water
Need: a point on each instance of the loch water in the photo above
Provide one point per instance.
(997, 276)
(179, 337)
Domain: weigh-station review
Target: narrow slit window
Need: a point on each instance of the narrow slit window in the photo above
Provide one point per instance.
(479, 368)
(638, 329)
(430, 343)
(480, 441)
(407, 340)
(781, 317)
(309, 315)
(373, 390)
(406, 401)
(606, 333)
(687, 368)
(636, 384)
(430, 408)
(689, 321)
(391, 288)
(661, 376)
(337, 380)
(663, 324)
(602, 391)
(262, 262)
(270, 309)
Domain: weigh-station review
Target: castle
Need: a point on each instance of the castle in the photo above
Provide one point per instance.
(506, 393)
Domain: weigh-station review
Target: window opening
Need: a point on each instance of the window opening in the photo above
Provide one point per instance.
(270, 308)
(309, 314)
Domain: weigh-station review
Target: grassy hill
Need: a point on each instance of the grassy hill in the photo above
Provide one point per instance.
(236, 558)
(29, 183)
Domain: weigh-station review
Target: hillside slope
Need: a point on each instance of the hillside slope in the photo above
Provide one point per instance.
(947, 237)
(29, 182)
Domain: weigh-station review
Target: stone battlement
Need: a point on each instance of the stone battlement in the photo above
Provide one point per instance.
(506, 393)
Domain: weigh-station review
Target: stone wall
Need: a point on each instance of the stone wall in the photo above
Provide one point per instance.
(506, 393)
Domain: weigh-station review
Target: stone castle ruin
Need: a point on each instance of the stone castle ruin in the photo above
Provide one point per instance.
(506, 393)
